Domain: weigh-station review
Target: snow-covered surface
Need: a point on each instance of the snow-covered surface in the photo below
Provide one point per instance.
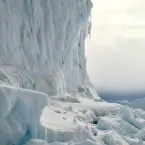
(92, 123)
(27, 114)
(68, 121)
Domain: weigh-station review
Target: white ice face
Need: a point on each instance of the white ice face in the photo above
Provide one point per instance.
(46, 39)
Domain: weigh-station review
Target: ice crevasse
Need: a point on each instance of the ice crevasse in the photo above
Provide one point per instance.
(41, 50)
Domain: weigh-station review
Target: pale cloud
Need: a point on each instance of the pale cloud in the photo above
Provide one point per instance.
(117, 48)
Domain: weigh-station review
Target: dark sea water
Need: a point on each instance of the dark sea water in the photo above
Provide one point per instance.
(116, 97)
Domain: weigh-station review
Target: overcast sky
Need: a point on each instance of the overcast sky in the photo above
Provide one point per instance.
(116, 50)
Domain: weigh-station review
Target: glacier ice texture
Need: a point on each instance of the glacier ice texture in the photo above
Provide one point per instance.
(46, 97)
(45, 38)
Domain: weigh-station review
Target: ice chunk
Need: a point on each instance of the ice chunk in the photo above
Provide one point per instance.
(104, 124)
(65, 124)
(112, 138)
(133, 141)
(141, 135)
(126, 114)
(124, 102)
(128, 128)
(20, 112)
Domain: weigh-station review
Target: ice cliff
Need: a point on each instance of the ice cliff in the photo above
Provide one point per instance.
(45, 38)
(41, 50)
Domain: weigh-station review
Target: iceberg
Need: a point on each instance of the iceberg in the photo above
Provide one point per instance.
(46, 97)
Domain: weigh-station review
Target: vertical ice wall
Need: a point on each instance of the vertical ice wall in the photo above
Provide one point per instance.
(46, 39)
(41, 48)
